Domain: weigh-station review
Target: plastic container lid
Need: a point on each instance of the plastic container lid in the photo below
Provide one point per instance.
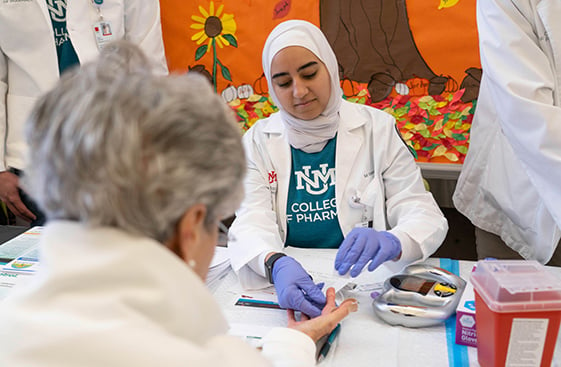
(517, 285)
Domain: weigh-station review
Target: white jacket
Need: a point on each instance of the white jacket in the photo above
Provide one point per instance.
(105, 298)
(28, 58)
(372, 165)
(510, 181)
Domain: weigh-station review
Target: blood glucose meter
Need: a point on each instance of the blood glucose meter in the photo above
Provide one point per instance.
(421, 295)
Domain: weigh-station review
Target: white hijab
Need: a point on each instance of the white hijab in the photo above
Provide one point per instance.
(308, 135)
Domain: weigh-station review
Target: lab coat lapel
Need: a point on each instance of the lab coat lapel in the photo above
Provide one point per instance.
(350, 140)
(281, 159)
(45, 10)
(50, 64)
(549, 12)
(80, 18)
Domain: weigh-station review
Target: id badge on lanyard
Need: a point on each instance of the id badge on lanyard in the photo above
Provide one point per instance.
(102, 27)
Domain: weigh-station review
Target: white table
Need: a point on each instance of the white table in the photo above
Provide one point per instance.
(364, 339)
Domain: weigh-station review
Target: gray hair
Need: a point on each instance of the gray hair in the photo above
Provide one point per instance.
(114, 145)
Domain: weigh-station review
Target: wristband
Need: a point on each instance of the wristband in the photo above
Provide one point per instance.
(269, 265)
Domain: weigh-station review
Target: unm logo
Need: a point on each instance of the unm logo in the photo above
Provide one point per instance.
(57, 9)
(272, 177)
(318, 182)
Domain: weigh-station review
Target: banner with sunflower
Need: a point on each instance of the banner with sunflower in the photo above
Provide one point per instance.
(415, 59)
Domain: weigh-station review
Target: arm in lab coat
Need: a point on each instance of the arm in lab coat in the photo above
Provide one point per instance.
(517, 60)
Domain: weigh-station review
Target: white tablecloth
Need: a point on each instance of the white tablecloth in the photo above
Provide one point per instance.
(364, 339)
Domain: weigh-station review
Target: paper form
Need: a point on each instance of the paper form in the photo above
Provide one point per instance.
(218, 268)
(20, 244)
(320, 265)
(9, 280)
(26, 263)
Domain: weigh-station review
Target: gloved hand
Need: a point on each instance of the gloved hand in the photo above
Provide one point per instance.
(363, 245)
(295, 288)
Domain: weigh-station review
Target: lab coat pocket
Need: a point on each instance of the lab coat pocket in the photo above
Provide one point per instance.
(16, 149)
(370, 196)
(18, 106)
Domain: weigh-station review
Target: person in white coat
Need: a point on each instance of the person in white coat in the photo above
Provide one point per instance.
(39, 39)
(133, 227)
(509, 184)
(325, 173)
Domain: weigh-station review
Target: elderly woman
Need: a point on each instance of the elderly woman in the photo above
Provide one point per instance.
(135, 172)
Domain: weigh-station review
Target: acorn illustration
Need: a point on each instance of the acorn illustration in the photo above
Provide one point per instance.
(201, 70)
(471, 84)
(437, 85)
(380, 86)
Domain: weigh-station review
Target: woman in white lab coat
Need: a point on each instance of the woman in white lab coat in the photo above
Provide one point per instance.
(509, 184)
(133, 226)
(29, 64)
(351, 162)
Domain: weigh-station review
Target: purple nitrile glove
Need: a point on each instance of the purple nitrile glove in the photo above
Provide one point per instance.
(296, 289)
(363, 245)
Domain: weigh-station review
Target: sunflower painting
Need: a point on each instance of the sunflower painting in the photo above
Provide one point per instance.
(219, 29)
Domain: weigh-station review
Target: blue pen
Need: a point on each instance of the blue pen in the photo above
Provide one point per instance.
(329, 342)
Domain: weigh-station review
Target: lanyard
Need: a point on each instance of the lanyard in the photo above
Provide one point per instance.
(97, 5)
(102, 28)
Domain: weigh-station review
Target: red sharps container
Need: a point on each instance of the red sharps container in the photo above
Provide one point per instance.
(517, 312)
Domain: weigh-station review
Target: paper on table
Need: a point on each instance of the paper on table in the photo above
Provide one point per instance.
(20, 244)
(249, 323)
(23, 251)
(26, 263)
(219, 267)
(320, 265)
(253, 323)
(220, 257)
(252, 334)
(10, 280)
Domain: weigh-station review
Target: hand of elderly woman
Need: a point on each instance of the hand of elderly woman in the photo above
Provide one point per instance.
(330, 316)
(295, 288)
(363, 245)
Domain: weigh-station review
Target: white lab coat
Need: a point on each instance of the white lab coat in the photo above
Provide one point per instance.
(28, 58)
(105, 298)
(372, 165)
(510, 181)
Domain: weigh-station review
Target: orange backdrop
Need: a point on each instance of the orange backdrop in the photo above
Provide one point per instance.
(446, 37)
(435, 126)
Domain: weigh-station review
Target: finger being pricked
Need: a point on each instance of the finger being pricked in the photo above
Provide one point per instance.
(292, 317)
(347, 306)
(333, 314)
